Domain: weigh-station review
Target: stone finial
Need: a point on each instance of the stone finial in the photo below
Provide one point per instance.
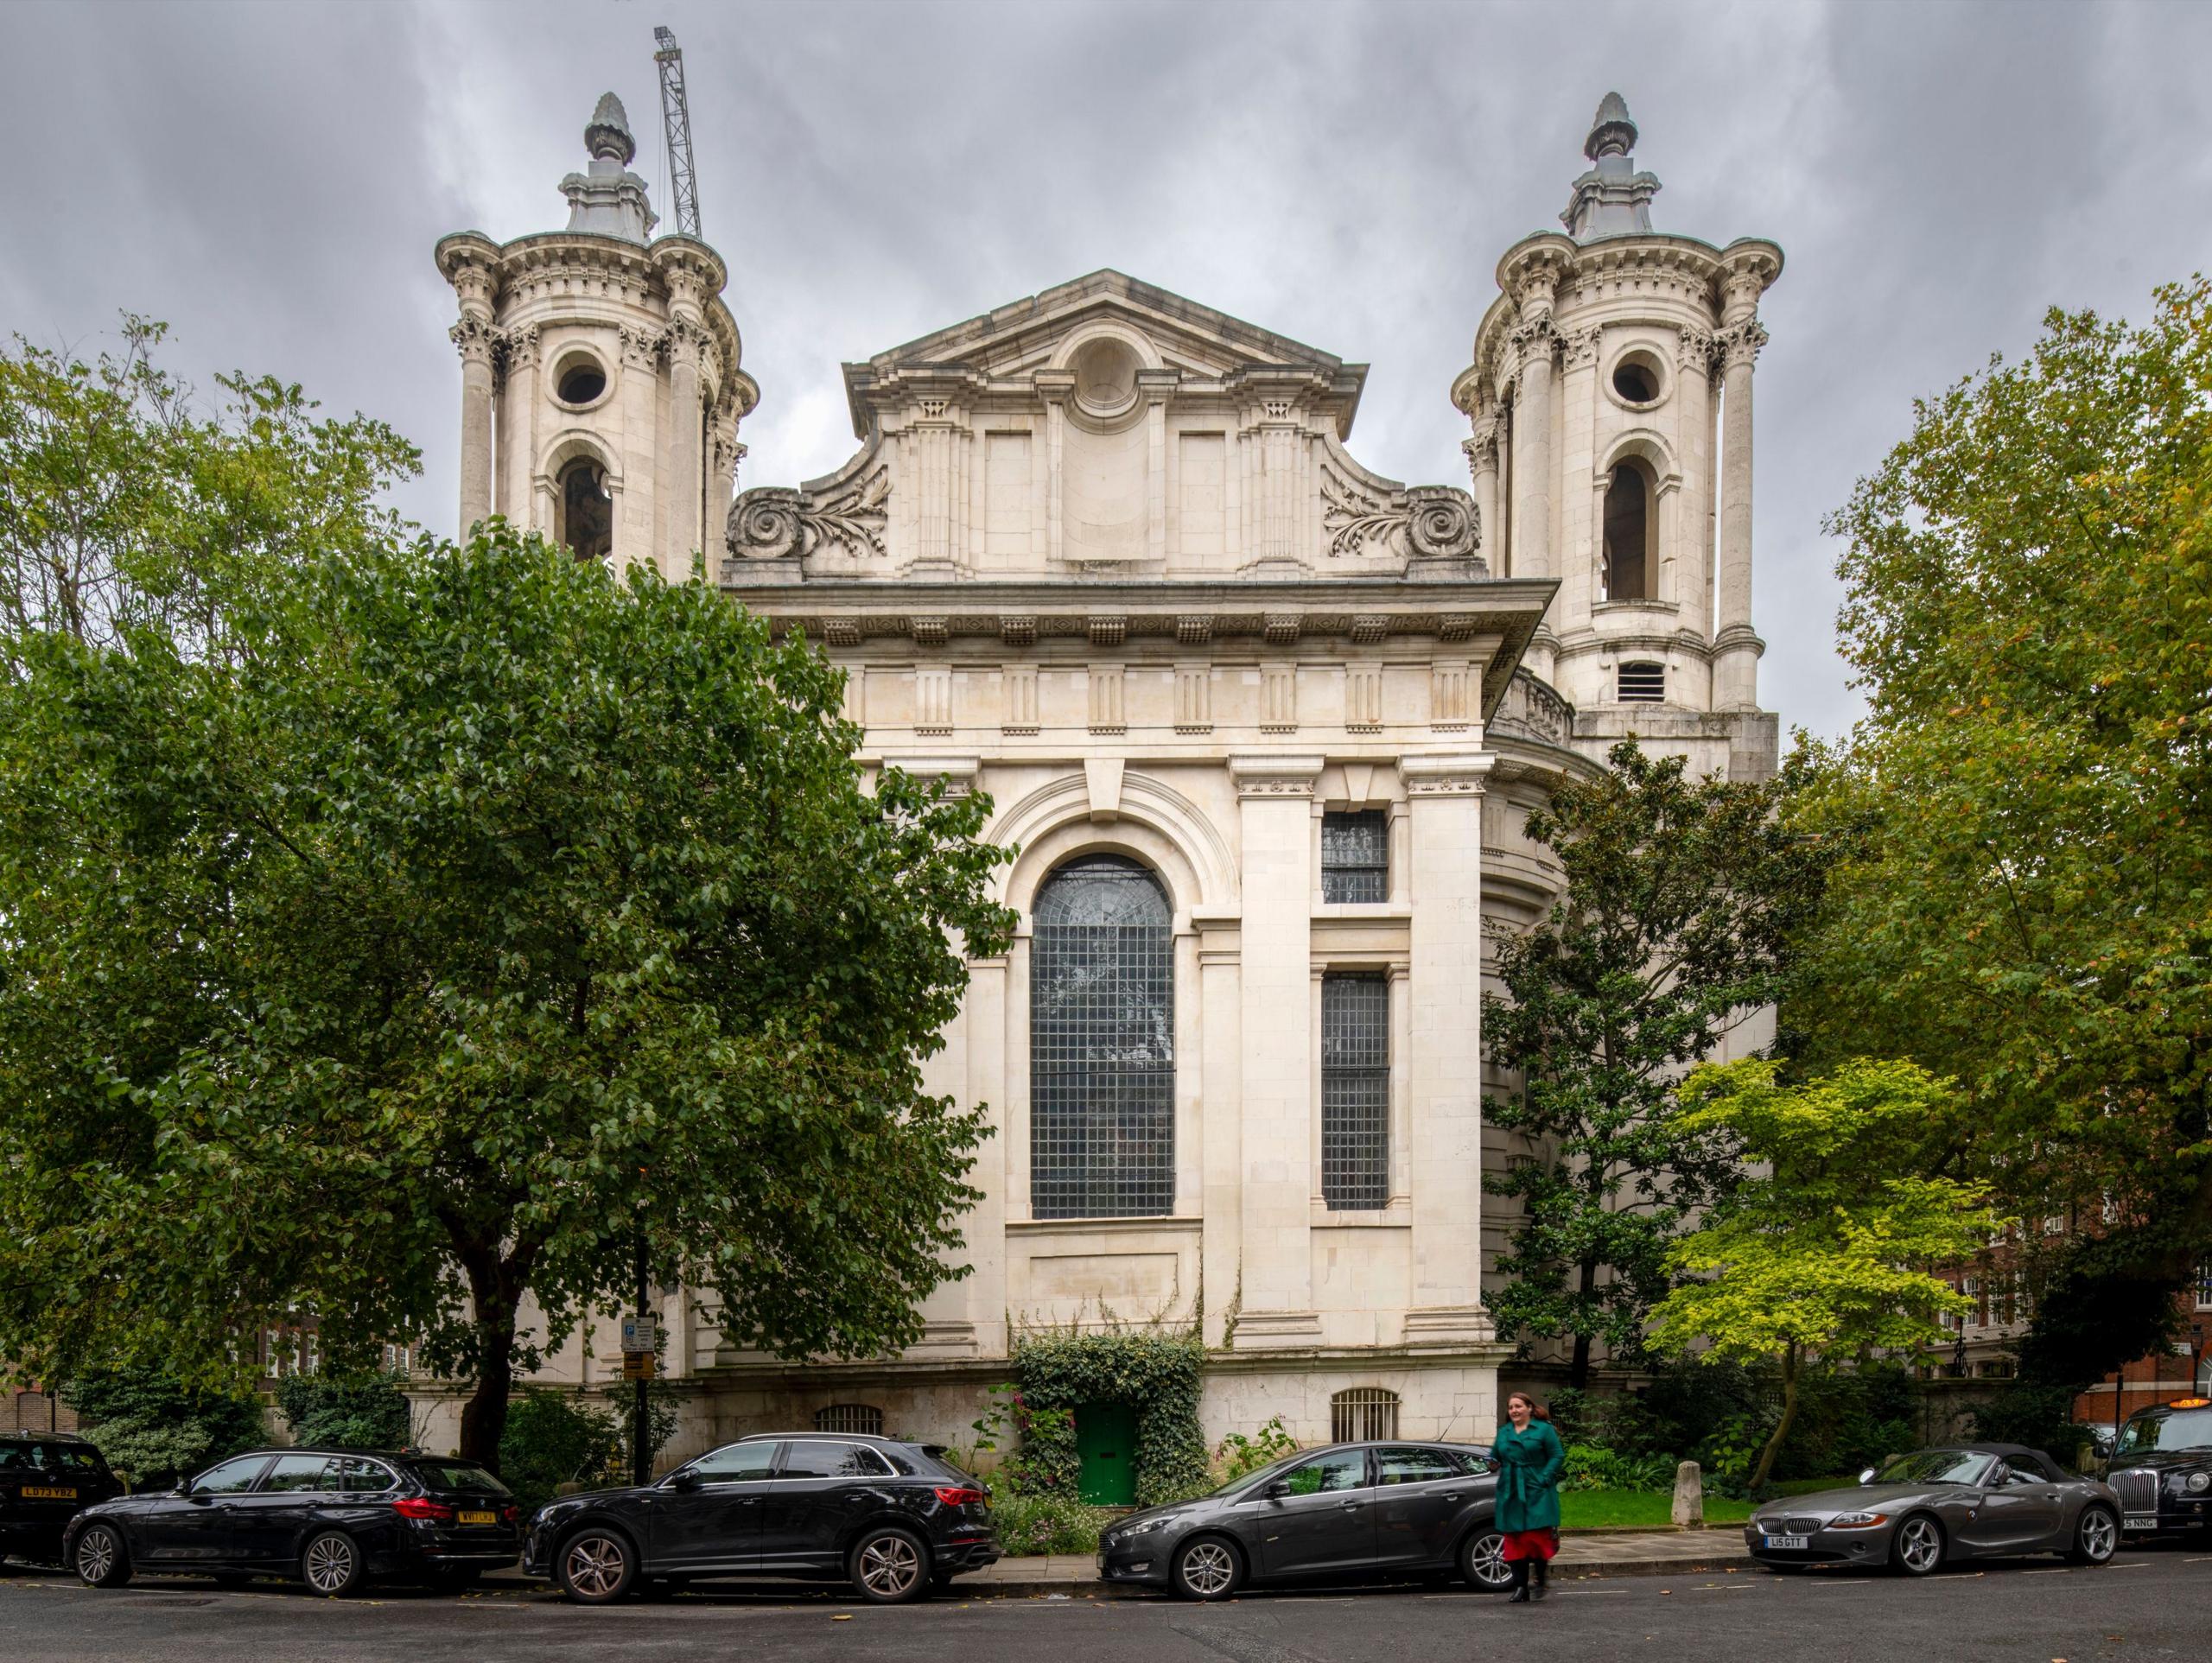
(607, 200)
(607, 133)
(1612, 132)
(1612, 199)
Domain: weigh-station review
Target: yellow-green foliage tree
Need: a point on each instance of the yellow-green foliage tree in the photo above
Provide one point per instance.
(1829, 1254)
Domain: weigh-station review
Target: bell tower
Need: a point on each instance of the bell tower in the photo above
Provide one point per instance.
(600, 378)
(1611, 399)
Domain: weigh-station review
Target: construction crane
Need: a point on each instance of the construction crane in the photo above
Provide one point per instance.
(676, 117)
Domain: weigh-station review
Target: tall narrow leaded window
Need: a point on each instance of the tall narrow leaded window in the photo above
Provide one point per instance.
(1355, 1092)
(1355, 856)
(1102, 1044)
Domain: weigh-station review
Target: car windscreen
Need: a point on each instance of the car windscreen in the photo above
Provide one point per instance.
(2163, 1430)
(459, 1476)
(1936, 1466)
(28, 1457)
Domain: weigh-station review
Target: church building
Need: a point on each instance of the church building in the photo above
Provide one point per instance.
(1265, 727)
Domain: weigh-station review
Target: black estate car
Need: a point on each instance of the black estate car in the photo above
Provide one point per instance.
(1351, 1510)
(45, 1480)
(331, 1517)
(892, 1518)
(2161, 1465)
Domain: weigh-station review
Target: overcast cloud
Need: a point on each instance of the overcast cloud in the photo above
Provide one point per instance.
(270, 179)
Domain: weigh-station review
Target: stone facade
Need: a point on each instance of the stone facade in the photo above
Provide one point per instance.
(1103, 554)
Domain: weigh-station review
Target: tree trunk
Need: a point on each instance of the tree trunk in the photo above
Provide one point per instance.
(1782, 1429)
(496, 1292)
(1578, 1372)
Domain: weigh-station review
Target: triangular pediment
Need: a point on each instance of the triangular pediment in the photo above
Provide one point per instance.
(1015, 341)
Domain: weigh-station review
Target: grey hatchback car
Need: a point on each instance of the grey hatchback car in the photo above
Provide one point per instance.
(1937, 1507)
(1352, 1510)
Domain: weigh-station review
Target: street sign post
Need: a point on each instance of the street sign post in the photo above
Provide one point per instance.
(637, 1365)
(640, 1333)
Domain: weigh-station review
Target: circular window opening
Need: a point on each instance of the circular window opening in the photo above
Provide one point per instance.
(1105, 375)
(579, 379)
(1636, 380)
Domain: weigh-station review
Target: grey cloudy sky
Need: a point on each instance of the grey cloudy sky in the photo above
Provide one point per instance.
(271, 178)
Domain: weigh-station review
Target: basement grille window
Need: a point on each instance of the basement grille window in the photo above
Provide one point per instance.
(1363, 1414)
(863, 1417)
(1355, 856)
(1643, 683)
(1355, 1092)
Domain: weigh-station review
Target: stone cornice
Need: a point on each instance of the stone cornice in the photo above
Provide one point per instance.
(1268, 776)
(1446, 776)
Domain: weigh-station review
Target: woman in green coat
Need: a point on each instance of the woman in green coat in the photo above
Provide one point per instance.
(1531, 1460)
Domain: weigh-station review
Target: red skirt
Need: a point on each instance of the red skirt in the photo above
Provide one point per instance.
(1531, 1544)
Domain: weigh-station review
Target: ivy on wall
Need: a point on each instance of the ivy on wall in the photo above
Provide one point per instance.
(1156, 1375)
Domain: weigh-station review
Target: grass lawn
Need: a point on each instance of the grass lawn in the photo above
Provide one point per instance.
(1593, 1509)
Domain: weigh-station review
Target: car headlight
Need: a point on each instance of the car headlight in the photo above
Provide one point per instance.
(1857, 1520)
(1143, 1527)
(2199, 1482)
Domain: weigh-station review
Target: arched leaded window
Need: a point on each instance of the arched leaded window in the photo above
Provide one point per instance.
(1102, 1044)
(1628, 533)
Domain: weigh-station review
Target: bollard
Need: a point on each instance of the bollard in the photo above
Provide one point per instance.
(1690, 1497)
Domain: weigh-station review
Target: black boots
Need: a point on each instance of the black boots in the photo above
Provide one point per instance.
(1519, 1594)
(1541, 1568)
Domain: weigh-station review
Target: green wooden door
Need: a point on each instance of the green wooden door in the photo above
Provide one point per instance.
(1106, 1442)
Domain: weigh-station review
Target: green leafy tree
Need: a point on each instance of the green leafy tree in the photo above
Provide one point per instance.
(485, 915)
(126, 505)
(1829, 1254)
(2030, 614)
(364, 1411)
(153, 1428)
(1679, 900)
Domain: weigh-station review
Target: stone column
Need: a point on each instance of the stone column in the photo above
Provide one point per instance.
(1533, 340)
(687, 460)
(1220, 1120)
(518, 427)
(1694, 535)
(1736, 646)
(983, 1017)
(476, 339)
(1277, 1045)
(1481, 451)
(1443, 1043)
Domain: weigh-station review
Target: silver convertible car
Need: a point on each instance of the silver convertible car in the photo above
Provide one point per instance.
(1937, 1507)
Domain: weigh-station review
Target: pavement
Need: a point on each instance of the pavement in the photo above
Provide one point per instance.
(2151, 1605)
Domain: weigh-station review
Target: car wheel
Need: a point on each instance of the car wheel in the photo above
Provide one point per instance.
(597, 1567)
(1482, 1560)
(1206, 1568)
(2096, 1537)
(330, 1563)
(1918, 1549)
(890, 1566)
(101, 1560)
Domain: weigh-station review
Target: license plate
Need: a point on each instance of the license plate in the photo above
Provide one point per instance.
(47, 1493)
(480, 1518)
(1789, 1544)
(2135, 1520)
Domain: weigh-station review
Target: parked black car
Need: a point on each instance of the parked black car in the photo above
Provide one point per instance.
(45, 1480)
(892, 1518)
(1351, 1510)
(2161, 1465)
(331, 1517)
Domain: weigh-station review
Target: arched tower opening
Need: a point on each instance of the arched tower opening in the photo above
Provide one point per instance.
(1629, 526)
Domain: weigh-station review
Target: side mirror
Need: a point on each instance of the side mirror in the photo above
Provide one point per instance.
(1276, 1491)
(198, 1497)
(683, 1478)
(1866, 1476)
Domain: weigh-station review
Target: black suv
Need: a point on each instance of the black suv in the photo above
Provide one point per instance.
(2161, 1465)
(331, 1518)
(45, 1480)
(892, 1518)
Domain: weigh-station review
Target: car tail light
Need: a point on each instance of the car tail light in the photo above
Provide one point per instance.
(509, 1514)
(421, 1506)
(959, 1495)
